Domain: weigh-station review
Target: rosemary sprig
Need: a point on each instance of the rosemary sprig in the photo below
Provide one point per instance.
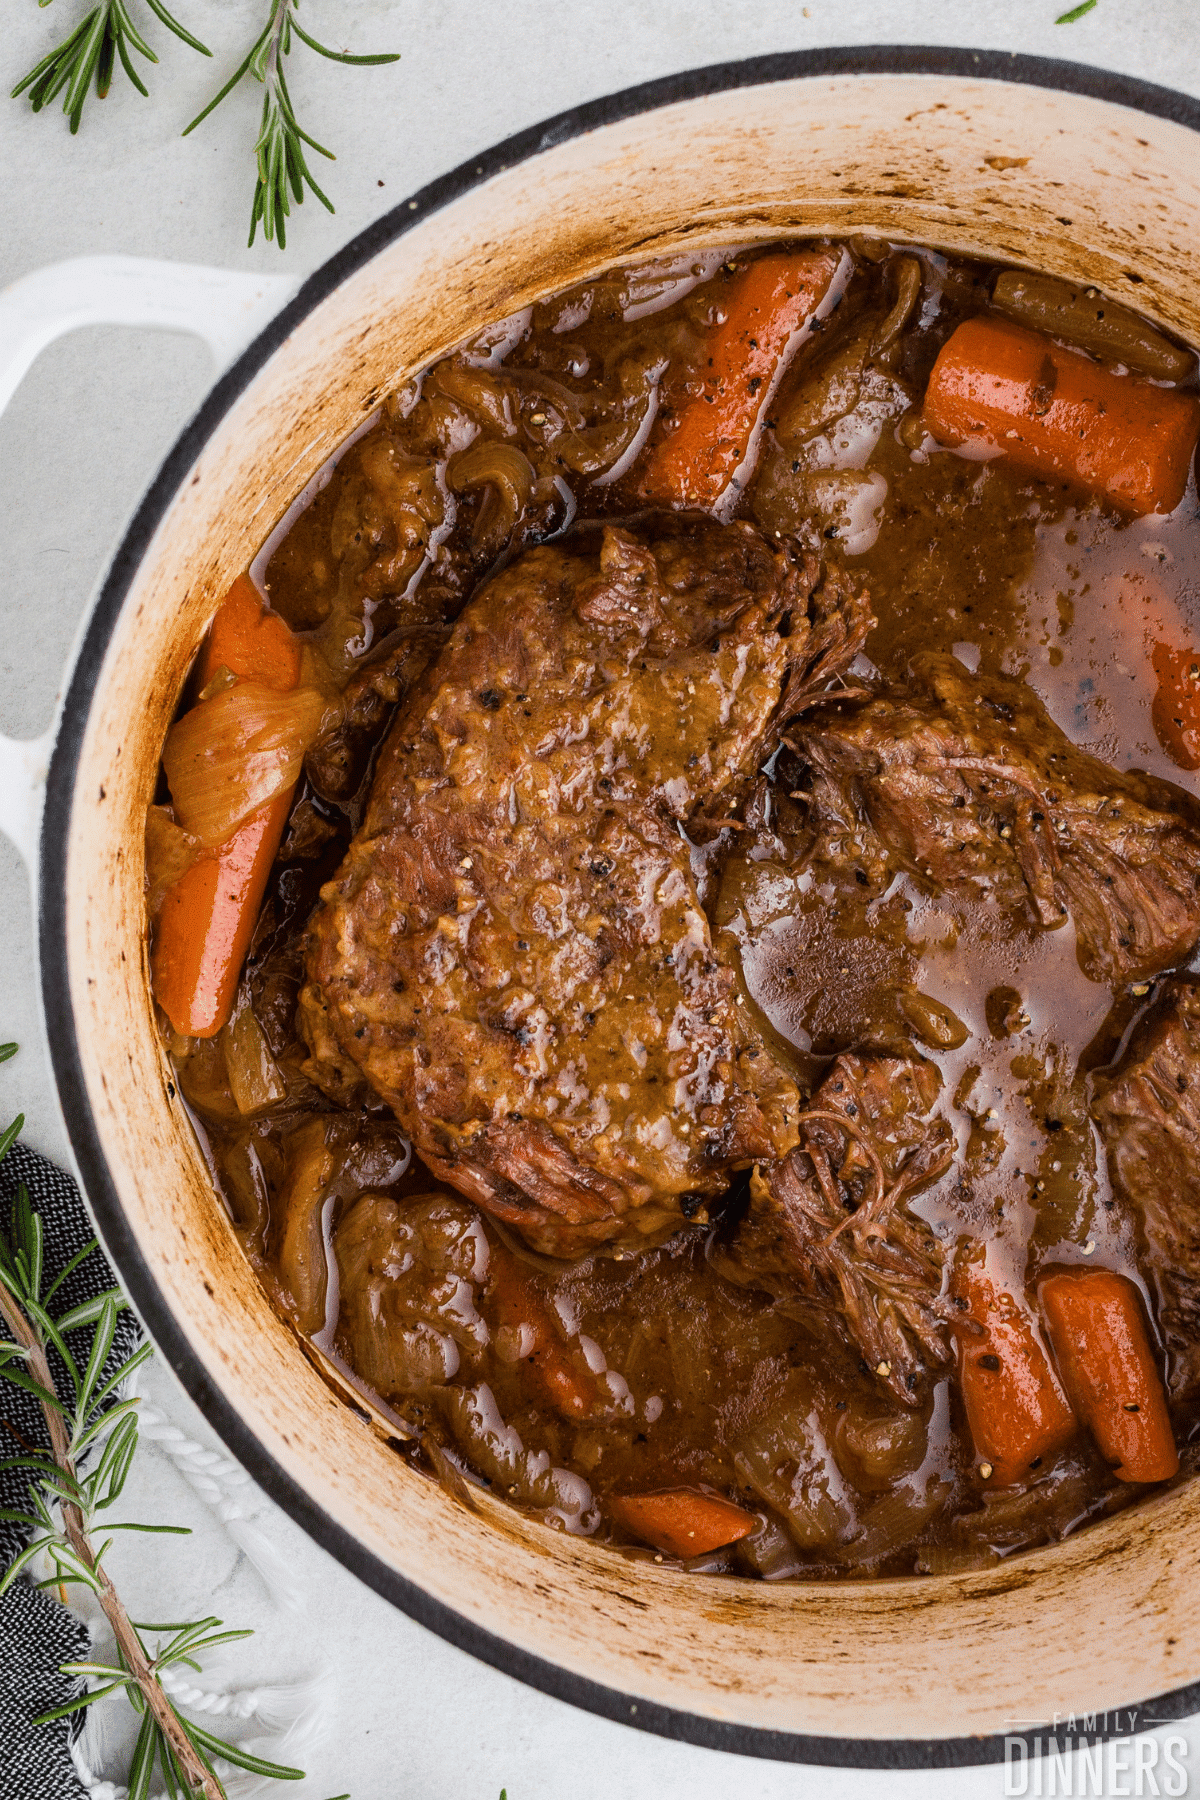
(92, 48)
(93, 1436)
(279, 151)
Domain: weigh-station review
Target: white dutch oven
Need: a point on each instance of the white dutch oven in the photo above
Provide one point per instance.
(1040, 163)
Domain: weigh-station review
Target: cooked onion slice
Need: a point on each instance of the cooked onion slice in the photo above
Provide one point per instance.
(170, 853)
(234, 752)
(254, 1077)
(509, 478)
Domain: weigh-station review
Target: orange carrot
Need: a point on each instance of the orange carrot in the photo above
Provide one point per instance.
(521, 1308)
(249, 641)
(1016, 1409)
(764, 306)
(1056, 413)
(208, 920)
(1103, 1349)
(1176, 708)
(680, 1521)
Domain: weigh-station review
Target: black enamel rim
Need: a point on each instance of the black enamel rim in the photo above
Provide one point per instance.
(882, 1753)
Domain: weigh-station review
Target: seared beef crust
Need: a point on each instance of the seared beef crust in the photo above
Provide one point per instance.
(967, 782)
(514, 954)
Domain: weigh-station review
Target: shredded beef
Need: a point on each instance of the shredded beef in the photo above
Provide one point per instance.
(969, 784)
(1149, 1115)
(830, 1222)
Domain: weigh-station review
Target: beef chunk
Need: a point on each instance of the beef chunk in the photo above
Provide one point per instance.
(336, 764)
(1149, 1116)
(968, 783)
(514, 954)
(830, 1224)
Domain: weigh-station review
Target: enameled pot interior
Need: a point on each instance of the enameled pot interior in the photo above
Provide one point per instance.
(1060, 181)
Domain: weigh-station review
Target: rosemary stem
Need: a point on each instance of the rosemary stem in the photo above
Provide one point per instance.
(283, 8)
(200, 1779)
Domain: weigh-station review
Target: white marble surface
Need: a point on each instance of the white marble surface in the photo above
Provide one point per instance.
(405, 1714)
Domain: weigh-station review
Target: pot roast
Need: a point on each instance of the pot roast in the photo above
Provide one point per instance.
(693, 1012)
(515, 954)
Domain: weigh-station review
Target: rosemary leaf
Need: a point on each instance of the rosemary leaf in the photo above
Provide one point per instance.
(106, 33)
(9, 1517)
(172, 24)
(186, 1636)
(169, 1766)
(51, 1332)
(41, 1462)
(65, 1486)
(114, 1381)
(206, 1643)
(102, 1343)
(69, 1268)
(279, 160)
(27, 1228)
(8, 1138)
(18, 1563)
(142, 1625)
(344, 56)
(234, 1753)
(142, 1767)
(80, 1705)
(108, 1478)
(41, 1394)
(166, 1530)
(83, 1439)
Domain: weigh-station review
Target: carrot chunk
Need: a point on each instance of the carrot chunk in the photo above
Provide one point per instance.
(681, 1521)
(520, 1308)
(1175, 710)
(1056, 413)
(764, 307)
(1102, 1345)
(1016, 1409)
(249, 641)
(207, 919)
(207, 922)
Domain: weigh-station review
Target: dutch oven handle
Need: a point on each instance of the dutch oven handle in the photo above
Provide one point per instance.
(223, 306)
